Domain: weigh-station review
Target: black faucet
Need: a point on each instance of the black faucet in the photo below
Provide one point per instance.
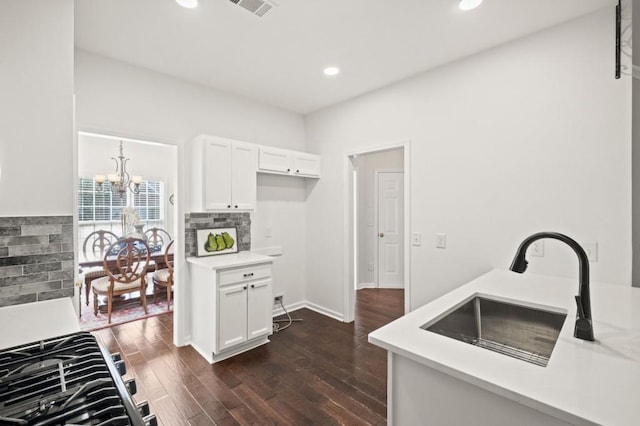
(584, 327)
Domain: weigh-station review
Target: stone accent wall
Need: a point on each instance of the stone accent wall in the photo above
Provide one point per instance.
(36, 258)
(193, 221)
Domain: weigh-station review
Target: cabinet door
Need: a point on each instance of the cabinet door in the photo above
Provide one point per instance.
(243, 176)
(217, 174)
(232, 316)
(274, 160)
(306, 164)
(260, 302)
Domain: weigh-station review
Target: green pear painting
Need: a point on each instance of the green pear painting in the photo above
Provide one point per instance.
(215, 241)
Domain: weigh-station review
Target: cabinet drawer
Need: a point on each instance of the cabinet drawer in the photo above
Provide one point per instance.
(239, 275)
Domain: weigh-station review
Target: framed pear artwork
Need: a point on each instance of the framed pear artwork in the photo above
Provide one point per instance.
(215, 241)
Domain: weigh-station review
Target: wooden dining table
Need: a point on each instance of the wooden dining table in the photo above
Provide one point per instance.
(156, 261)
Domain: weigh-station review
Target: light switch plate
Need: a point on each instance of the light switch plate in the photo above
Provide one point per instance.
(416, 239)
(592, 251)
(441, 240)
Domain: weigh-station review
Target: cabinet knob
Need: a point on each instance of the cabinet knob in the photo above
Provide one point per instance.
(297, 171)
(253, 286)
(228, 206)
(244, 288)
(236, 206)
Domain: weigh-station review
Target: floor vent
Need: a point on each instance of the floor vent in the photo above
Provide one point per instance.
(257, 7)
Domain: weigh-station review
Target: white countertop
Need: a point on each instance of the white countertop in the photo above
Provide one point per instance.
(35, 321)
(242, 258)
(584, 382)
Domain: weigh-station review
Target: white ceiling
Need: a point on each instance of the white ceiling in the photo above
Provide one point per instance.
(278, 59)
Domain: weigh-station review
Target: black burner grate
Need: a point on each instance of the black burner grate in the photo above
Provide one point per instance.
(69, 380)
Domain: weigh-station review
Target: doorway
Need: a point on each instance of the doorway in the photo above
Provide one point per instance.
(377, 216)
(99, 207)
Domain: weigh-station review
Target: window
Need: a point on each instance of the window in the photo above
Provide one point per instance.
(103, 209)
(148, 201)
(94, 205)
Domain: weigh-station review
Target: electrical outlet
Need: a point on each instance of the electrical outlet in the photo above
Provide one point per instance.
(537, 248)
(370, 266)
(278, 299)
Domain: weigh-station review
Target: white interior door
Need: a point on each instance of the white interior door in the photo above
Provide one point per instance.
(390, 229)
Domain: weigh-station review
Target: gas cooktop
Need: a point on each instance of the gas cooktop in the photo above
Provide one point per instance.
(67, 380)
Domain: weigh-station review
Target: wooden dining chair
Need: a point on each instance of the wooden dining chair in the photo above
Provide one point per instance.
(164, 277)
(96, 243)
(94, 247)
(125, 264)
(157, 238)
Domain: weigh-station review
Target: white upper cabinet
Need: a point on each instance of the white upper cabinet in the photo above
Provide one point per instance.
(274, 160)
(223, 174)
(306, 164)
(284, 161)
(243, 176)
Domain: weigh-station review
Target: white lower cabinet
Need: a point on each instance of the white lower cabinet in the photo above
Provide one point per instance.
(244, 313)
(259, 303)
(231, 305)
(232, 316)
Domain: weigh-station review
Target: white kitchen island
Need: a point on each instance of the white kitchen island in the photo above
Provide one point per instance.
(436, 380)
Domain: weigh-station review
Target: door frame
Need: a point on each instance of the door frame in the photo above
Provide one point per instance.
(350, 229)
(376, 223)
(180, 297)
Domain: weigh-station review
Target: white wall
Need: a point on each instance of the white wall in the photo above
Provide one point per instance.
(366, 166)
(533, 135)
(281, 213)
(119, 99)
(114, 96)
(36, 107)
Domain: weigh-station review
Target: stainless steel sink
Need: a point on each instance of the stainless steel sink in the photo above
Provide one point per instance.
(518, 331)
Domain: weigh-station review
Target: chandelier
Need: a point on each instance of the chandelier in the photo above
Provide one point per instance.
(120, 181)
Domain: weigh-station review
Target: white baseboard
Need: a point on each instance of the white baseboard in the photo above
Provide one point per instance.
(185, 342)
(366, 285)
(391, 286)
(312, 306)
(290, 308)
(374, 285)
(324, 311)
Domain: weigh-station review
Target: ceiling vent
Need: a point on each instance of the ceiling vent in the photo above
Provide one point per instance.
(257, 7)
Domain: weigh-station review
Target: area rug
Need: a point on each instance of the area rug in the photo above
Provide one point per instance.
(127, 310)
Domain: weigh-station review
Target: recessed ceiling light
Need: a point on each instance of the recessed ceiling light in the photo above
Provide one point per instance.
(190, 4)
(469, 4)
(331, 71)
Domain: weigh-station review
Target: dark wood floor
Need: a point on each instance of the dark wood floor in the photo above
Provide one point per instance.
(319, 371)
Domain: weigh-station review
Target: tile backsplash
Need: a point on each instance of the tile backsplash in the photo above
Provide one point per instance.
(36, 258)
(240, 221)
